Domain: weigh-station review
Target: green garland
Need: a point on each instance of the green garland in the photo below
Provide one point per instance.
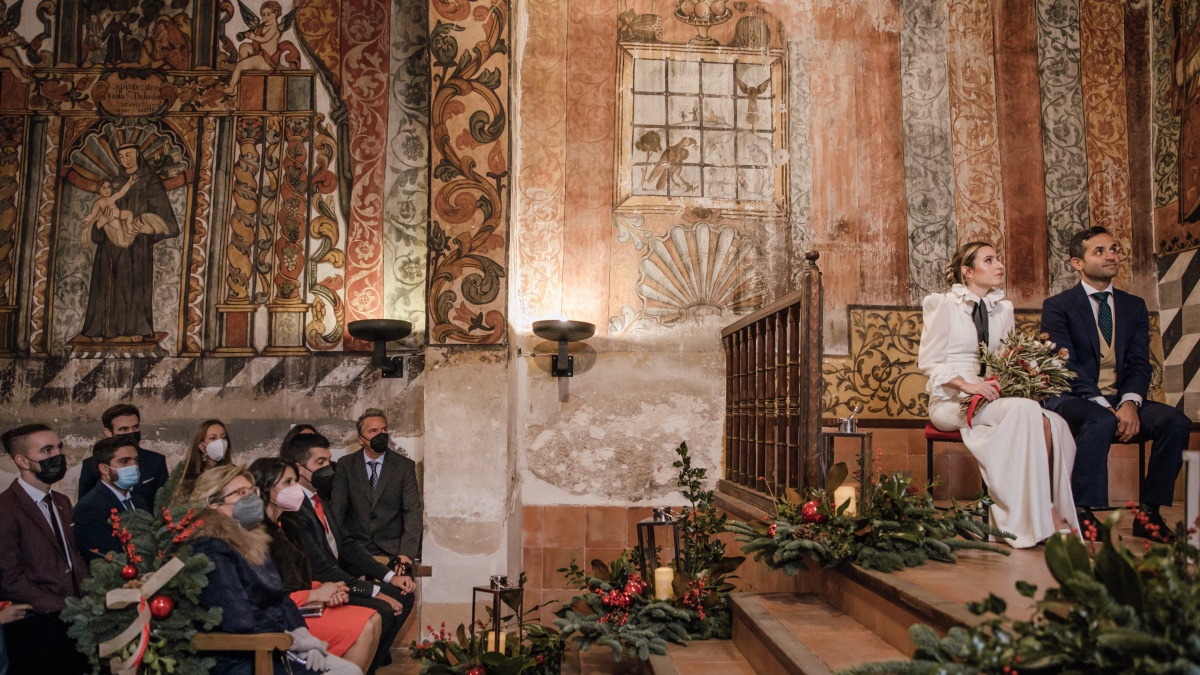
(897, 527)
(149, 542)
(616, 611)
(615, 608)
(460, 653)
(1112, 613)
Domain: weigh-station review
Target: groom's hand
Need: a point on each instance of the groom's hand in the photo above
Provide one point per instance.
(1128, 423)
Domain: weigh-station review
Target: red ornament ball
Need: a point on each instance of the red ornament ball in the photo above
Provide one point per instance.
(129, 572)
(161, 607)
(809, 512)
(477, 670)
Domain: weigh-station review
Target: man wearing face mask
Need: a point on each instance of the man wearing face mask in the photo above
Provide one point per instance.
(124, 418)
(39, 564)
(119, 474)
(312, 528)
(377, 505)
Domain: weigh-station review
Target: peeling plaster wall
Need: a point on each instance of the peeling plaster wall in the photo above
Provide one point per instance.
(467, 480)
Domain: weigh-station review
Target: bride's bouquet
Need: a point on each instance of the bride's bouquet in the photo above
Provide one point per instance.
(1025, 366)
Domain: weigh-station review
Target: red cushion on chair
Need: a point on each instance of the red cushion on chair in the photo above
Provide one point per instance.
(933, 433)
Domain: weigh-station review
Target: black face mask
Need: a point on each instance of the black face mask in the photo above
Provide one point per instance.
(52, 469)
(322, 479)
(137, 438)
(380, 443)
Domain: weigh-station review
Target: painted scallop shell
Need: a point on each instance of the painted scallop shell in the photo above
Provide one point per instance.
(696, 270)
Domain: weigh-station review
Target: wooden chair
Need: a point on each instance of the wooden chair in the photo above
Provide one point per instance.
(263, 645)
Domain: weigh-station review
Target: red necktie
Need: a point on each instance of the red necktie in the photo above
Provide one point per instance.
(316, 500)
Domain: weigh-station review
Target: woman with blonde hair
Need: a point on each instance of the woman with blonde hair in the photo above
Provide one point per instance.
(244, 582)
(1025, 453)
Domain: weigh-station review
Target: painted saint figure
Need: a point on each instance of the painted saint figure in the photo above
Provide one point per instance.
(265, 49)
(121, 295)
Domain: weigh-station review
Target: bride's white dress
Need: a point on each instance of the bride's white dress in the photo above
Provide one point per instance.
(1006, 438)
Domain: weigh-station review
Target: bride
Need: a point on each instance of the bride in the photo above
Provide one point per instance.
(1025, 453)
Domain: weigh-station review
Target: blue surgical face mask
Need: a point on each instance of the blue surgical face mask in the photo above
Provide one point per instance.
(127, 477)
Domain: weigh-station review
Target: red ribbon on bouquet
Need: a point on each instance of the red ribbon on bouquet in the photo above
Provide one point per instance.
(975, 403)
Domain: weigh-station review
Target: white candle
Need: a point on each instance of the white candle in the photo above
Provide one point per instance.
(664, 577)
(842, 495)
(492, 642)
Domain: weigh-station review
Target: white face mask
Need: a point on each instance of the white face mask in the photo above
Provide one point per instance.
(215, 450)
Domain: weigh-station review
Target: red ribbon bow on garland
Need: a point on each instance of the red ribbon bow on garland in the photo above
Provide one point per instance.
(975, 404)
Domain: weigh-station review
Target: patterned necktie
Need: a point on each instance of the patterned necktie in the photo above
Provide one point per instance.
(1104, 316)
(374, 464)
(58, 535)
(980, 317)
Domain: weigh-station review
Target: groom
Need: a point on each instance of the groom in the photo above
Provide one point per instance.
(1107, 332)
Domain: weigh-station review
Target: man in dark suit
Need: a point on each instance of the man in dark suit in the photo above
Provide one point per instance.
(39, 565)
(124, 418)
(1107, 333)
(119, 473)
(313, 528)
(377, 505)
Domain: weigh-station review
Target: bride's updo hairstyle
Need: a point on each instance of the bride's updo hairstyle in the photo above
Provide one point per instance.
(963, 257)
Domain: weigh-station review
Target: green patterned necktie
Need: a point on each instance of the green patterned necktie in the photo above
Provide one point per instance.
(1104, 316)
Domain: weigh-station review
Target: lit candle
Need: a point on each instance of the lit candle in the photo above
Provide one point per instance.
(492, 642)
(664, 577)
(846, 494)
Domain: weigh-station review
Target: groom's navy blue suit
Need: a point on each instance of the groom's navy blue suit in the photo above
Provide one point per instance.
(1069, 320)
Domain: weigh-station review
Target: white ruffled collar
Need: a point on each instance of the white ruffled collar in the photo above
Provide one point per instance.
(966, 299)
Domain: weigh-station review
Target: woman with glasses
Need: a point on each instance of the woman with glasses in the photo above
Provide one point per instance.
(244, 582)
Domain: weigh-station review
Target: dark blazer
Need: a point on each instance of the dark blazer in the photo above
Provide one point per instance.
(93, 532)
(386, 522)
(1068, 319)
(252, 597)
(152, 466)
(303, 528)
(32, 567)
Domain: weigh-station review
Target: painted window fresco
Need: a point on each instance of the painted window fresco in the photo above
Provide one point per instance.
(702, 124)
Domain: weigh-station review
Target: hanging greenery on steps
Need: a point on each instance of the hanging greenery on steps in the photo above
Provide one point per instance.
(1113, 612)
(897, 527)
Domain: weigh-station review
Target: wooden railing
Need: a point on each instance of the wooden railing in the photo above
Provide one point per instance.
(773, 393)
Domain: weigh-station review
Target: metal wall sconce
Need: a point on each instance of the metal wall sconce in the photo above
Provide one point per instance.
(381, 332)
(563, 332)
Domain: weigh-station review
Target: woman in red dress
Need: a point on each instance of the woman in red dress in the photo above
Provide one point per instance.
(352, 632)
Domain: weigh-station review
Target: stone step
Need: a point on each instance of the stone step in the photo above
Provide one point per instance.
(801, 634)
(701, 657)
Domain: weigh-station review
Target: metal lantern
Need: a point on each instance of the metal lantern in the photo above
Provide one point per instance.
(646, 546)
(499, 592)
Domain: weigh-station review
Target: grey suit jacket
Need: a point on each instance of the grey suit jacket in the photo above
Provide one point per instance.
(383, 522)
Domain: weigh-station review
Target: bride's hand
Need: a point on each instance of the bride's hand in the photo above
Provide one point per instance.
(989, 390)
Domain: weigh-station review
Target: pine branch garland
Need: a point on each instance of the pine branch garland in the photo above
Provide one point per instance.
(897, 528)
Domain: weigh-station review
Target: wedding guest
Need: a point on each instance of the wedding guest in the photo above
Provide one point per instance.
(1024, 452)
(39, 564)
(311, 528)
(210, 448)
(296, 430)
(351, 631)
(119, 474)
(1107, 332)
(244, 582)
(8, 614)
(377, 506)
(124, 418)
